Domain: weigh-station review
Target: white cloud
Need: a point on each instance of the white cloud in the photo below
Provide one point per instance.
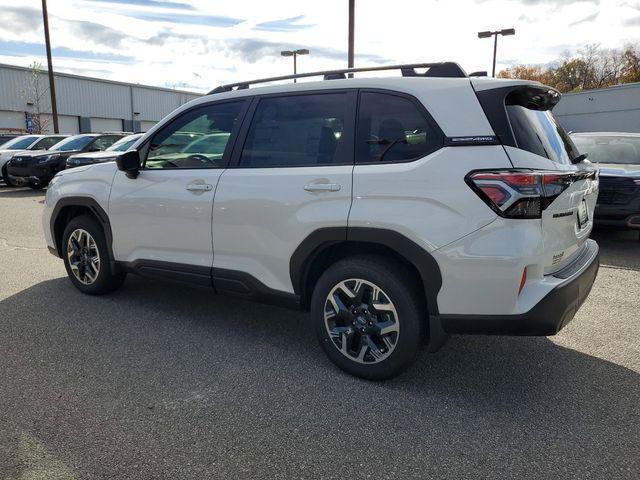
(200, 44)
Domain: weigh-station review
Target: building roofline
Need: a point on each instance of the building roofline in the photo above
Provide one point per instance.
(620, 86)
(102, 80)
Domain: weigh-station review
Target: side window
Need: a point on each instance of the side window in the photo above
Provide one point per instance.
(104, 142)
(46, 143)
(196, 139)
(391, 128)
(298, 130)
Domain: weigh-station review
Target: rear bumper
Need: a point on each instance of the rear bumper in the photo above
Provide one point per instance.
(548, 316)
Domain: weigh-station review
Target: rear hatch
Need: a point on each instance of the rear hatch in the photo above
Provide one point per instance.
(521, 115)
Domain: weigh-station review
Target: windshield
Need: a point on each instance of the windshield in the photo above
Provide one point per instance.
(20, 143)
(537, 131)
(207, 142)
(124, 144)
(609, 149)
(72, 143)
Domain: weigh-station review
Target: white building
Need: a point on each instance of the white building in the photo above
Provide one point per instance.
(613, 109)
(84, 104)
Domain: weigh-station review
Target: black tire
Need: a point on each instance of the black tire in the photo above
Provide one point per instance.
(7, 180)
(106, 281)
(37, 186)
(401, 289)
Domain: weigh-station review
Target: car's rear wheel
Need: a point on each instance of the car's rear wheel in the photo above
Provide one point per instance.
(86, 258)
(369, 317)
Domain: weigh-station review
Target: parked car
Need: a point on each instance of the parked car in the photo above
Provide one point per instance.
(108, 155)
(617, 156)
(37, 169)
(394, 209)
(24, 144)
(5, 137)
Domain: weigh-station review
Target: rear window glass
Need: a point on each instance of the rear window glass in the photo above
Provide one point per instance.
(609, 149)
(537, 131)
(124, 144)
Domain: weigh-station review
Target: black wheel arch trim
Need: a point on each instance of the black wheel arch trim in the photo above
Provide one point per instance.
(317, 242)
(96, 209)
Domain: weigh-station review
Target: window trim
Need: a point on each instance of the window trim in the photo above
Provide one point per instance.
(420, 107)
(244, 102)
(349, 127)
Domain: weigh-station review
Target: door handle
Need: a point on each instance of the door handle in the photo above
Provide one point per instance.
(322, 187)
(199, 187)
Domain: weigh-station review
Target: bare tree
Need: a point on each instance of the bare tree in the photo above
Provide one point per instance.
(34, 94)
(591, 67)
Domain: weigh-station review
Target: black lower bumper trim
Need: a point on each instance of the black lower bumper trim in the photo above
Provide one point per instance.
(548, 317)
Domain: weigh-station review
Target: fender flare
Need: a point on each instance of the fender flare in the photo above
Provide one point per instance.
(96, 209)
(316, 242)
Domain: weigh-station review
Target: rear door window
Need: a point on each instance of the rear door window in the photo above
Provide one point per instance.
(537, 131)
(391, 128)
(46, 143)
(298, 130)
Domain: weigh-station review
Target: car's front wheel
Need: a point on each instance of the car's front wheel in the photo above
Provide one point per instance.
(38, 185)
(7, 179)
(86, 259)
(369, 317)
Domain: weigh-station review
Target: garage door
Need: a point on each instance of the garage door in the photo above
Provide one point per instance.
(68, 124)
(106, 125)
(146, 125)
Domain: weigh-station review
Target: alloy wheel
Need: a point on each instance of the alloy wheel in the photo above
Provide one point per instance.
(361, 321)
(83, 256)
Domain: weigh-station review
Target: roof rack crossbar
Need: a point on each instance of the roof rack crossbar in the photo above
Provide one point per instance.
(440, 69)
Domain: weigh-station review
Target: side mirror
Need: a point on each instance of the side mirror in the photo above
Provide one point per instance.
(129, 163)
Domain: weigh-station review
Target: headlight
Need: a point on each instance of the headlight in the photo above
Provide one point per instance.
(48, 158)
(636, 181)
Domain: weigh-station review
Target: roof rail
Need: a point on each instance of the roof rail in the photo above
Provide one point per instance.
(441, 69)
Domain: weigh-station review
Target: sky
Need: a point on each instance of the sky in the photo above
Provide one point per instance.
(196, 45)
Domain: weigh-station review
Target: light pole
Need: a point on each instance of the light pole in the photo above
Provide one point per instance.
(294, 54)
(488, 34)
(350, 51)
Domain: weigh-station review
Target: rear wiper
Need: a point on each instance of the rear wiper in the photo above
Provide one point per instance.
(579, 158)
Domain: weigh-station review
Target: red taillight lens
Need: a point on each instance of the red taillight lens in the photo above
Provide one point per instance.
(523, 280)
(495, 193)
(519, 194)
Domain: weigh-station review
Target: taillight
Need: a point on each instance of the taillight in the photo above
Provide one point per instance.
(523, 280)
(517, 193)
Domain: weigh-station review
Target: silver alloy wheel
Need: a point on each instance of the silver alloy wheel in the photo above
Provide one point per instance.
(361, 321)
(83, 256)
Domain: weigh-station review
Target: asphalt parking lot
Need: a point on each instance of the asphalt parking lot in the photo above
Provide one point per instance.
(161, 381)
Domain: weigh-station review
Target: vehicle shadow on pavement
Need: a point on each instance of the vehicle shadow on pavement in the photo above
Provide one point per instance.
(137, 366)
(11, 192)
(619, 249)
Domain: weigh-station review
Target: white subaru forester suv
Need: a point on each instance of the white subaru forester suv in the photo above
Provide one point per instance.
(397, 210)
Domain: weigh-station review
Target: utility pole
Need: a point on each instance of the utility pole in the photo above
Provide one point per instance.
(52, 86)
(351, 35)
